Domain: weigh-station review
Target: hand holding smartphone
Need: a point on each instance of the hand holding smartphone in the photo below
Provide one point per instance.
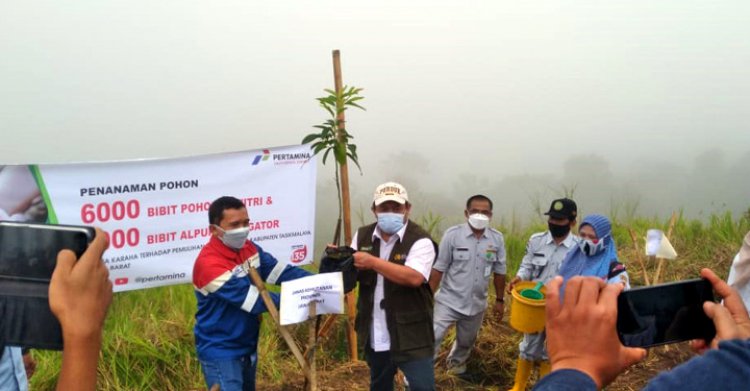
(28, 256)
(80, 291)
(666, 313)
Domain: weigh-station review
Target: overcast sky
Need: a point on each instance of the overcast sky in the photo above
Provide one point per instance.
(495, 88)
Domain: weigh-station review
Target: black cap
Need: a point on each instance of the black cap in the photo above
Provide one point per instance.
(563, 208)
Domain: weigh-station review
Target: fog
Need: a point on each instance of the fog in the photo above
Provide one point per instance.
(637, 108)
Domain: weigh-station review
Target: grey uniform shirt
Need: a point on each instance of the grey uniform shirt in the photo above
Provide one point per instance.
(467, 263)
(544, 257)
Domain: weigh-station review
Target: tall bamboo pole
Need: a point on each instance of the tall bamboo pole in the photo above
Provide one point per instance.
(351, 310)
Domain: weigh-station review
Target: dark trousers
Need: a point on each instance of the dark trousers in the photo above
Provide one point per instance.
(419, 373)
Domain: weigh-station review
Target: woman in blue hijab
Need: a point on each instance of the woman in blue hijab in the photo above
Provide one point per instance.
(596, 253)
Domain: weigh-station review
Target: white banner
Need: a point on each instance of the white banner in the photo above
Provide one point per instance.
(325, 289)
(156, 211)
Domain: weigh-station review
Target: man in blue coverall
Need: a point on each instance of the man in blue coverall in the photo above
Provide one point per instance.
(229, 305)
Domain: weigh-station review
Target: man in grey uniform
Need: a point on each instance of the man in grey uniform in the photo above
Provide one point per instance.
(469, 254)
(545, 252)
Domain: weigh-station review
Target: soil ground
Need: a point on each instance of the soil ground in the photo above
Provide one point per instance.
(491, 367)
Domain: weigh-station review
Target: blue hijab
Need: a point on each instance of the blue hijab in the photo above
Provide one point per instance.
(577, 263)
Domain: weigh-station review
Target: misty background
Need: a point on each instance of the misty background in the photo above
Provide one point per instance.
(637, 108)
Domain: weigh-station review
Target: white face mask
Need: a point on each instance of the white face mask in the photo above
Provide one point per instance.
(234, 238)
(590, 248)
(479, 221)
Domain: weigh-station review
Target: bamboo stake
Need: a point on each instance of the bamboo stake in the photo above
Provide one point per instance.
(343, 168)
(672, 222)
(351, 310)
(638, 255)
(311, 343)
(328, 323)
(255, 277)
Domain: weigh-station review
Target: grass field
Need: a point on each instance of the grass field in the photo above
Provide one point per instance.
(148, 338)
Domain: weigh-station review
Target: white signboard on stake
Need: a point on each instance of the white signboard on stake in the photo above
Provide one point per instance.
(325, 289)
(657, 245)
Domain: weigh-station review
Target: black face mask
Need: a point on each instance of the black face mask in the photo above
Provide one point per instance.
(558, 231)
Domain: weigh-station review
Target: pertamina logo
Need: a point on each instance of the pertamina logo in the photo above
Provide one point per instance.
(280, 159)
(262, 157)
(299, 253)
(121, 281)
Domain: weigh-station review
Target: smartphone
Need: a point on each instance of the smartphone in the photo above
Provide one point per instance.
(28, 255)
(666, 313)
(28, 252)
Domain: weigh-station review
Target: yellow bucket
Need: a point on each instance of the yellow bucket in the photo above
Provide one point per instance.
(526, 315)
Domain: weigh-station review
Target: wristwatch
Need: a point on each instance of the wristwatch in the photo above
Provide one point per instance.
(500, 300)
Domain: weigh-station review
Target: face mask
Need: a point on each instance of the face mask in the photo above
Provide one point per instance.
(479, 221)
(234, 238)
(558, 231)
(590, 248)
(390, 223)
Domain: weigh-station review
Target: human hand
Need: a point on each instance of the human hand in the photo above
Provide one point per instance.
(37, 210)
(581, 331)
(730, 319)
(80, 291)
(29, 364)
(512, 284)
(364, 260)
(499, 310)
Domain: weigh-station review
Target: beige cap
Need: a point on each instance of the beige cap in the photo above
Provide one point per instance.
(390, 191)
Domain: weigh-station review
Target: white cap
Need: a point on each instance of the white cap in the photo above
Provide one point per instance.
(390, 191)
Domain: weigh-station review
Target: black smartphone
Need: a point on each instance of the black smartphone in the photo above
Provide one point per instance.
(666, 313)
(29, 251)
(28, 255)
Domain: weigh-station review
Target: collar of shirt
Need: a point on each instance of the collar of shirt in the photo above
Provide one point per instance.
(399, 234)
(467, 231)
(568, 242)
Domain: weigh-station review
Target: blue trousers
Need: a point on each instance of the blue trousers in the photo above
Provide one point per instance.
(419, 373)
(231, 375)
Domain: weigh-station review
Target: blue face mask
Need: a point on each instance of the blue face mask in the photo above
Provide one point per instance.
(390, 223)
